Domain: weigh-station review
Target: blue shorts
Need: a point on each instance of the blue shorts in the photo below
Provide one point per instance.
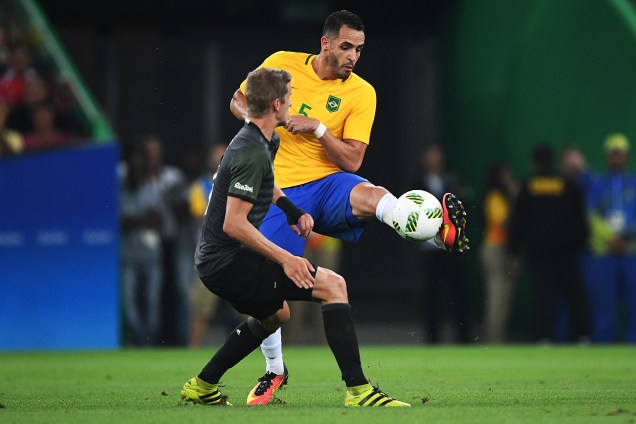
(327, 201)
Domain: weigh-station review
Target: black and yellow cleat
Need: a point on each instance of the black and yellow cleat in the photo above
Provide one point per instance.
(368, 395)
(196, 390)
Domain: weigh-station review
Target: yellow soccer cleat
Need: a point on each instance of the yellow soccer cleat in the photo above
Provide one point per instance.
(368, 395)
(198, 391)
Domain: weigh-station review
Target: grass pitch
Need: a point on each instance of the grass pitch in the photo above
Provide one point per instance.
(477, 384)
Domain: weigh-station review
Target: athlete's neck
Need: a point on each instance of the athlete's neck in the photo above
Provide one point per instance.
(322, 69)
(266, 125)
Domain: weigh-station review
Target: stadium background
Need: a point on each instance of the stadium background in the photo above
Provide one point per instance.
(487, 79)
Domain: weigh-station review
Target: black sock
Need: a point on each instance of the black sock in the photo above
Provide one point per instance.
(241, 342)
(343, 341)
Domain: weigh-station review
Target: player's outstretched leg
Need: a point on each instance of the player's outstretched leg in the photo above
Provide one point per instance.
(196, 390)
(262, 393)
(453, 231)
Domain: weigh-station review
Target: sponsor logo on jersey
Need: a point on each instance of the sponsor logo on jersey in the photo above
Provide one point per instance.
(546, 186)
(333, 104)
(244, 187)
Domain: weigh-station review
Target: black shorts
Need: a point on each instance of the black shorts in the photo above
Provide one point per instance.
(256, 286)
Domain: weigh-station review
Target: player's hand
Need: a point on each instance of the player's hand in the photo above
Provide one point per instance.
(298, 124)
(299, 271)
(304, 226)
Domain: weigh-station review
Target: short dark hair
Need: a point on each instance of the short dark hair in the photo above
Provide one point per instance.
(336, 20)
(263, 86)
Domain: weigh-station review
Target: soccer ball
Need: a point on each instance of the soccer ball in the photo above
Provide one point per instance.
(417, 215)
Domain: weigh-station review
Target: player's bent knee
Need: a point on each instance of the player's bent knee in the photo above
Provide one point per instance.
(339, 286)
(365, 198)
(330, 287)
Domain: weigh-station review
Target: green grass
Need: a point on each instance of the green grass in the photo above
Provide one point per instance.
(479, 384)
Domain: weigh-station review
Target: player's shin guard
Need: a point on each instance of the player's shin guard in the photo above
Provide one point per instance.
(343, 341)
(241, 342)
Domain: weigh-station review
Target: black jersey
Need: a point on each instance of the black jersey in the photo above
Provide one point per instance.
(246, 172)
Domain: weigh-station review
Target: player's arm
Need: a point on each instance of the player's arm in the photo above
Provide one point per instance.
(347, 154)
(238, 105)
(300, 221)
(237, 226)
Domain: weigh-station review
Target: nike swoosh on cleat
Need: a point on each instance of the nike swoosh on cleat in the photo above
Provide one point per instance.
(251, 398)
(446, 229)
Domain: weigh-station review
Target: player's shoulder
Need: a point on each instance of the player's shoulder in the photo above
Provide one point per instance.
(288, 57)
(358, 83)
(358, 80)
(248, 139)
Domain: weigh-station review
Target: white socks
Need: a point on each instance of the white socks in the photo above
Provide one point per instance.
(272, 348)
(384, 210)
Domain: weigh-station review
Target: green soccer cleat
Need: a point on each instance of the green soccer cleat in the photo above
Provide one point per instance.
(368, 395)
(198, 391)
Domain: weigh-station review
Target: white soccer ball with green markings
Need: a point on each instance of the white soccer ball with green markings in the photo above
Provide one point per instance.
(417, 215)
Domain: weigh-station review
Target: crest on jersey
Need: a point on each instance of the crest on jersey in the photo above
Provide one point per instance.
(333, 104)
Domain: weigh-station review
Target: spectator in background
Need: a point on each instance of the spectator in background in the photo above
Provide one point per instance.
(141, 255)
(205, 304)
(169, 180)
(445, 294)
(13, 81)
(17, 70)
(575, 169)
(548, 222)
(612, 275)
(500, 192)
(178, 293)
(46, 134)
(11, 141)
(36, 93)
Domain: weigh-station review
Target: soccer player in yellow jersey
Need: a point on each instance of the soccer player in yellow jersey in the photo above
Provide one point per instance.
(322, 145)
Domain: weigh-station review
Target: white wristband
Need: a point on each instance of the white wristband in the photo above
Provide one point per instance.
(320, 131)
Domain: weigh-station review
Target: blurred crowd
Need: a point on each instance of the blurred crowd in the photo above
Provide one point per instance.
(557, 257)
(161, 209)
(572, 228)
(38, 110)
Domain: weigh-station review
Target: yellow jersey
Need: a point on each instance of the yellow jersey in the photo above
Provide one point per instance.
(345, 107)
(496, 212)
